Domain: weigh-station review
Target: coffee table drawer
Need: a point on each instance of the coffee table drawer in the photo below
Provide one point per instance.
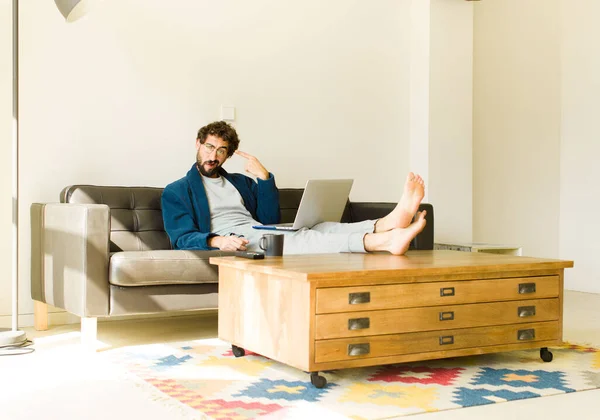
(400, 344)
(413, 295)
(395, 321)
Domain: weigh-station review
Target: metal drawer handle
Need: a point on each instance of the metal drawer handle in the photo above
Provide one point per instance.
(446, 316)
(359, 349)
(359, 323)
(356, 298)
(525, 311)
(447, 339)
(524, 335)
(526, 288)
(446, 291)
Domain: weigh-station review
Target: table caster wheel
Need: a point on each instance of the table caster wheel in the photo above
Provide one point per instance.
(237, 351)
(546, 354)
(317, 380)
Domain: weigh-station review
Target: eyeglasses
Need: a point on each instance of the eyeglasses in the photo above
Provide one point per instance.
(221, 151)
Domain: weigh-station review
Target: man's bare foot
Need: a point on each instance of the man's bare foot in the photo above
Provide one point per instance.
(396, 241)
(402, 215)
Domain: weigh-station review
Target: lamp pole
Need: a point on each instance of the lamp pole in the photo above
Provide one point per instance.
(15, 167)
(14, 337)
(72, 10)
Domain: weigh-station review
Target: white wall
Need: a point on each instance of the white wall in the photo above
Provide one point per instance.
(536, 131)
(516, 124)
(580, 145)
(451, 119)
(142, 76)
(5, 158)
(118, 97)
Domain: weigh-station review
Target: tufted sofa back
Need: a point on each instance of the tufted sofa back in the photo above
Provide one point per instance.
(136, 222)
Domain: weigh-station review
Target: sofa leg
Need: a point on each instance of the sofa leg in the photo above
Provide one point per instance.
(40, 316)
(89, 332)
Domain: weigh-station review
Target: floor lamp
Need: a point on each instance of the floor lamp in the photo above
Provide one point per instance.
(71, 10)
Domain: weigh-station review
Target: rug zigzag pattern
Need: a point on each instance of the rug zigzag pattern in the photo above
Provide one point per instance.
(205, 376)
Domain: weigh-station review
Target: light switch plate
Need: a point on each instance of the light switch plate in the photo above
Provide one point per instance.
(227, 113)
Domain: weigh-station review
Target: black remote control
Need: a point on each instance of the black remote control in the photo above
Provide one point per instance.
(250, 255)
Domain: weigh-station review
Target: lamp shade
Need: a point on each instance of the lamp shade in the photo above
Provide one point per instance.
(73, 9)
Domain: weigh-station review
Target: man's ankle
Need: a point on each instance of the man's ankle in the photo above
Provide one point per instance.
(375, 225)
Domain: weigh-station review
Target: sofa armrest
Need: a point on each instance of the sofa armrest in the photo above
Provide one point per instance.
(69, 257)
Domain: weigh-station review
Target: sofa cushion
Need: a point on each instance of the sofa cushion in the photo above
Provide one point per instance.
(162, 267)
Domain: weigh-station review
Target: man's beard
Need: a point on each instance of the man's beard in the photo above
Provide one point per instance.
(210, 172)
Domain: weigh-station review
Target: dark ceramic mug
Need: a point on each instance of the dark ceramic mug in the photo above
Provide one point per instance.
(272, 244)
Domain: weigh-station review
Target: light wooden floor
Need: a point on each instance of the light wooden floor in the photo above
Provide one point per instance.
(60, 381)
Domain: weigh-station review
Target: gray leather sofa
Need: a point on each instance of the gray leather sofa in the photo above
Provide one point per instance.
(102, 251)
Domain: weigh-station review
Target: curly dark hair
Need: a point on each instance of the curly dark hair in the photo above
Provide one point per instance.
(222, 130)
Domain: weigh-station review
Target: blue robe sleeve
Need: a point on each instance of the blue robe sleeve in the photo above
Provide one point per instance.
(267, 200)
(183, 231)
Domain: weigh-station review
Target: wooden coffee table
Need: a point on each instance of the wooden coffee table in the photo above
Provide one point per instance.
(334, 311)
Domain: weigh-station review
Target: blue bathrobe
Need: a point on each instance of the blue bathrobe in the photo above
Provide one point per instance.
(186, 214)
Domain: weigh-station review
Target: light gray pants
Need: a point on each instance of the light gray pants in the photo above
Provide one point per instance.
(324, 238)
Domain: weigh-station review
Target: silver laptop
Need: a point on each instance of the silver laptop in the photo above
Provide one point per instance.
(323, 200)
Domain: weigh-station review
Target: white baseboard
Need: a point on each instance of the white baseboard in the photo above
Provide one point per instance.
(61, 317)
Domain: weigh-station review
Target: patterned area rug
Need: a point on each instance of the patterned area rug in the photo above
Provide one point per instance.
(205, 376)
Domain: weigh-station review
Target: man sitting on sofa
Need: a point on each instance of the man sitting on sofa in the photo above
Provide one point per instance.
(210, 208)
